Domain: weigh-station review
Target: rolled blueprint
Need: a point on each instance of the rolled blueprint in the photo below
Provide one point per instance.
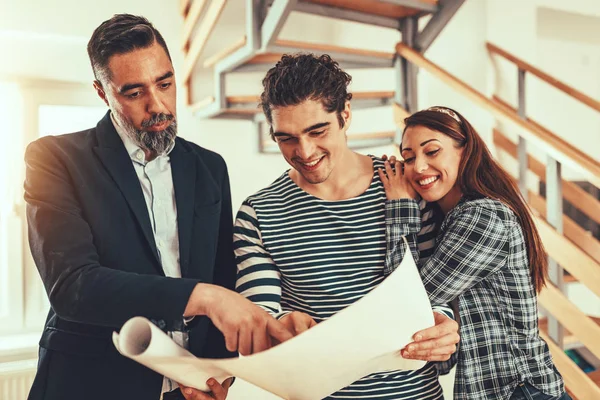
(362, 339)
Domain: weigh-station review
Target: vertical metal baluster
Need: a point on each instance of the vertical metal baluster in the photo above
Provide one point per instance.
(554, 211)
(522, 146)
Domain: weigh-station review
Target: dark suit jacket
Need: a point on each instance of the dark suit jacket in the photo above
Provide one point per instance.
(92, 241)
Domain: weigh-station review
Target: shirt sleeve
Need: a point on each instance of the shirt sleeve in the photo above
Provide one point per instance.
(402, 218)
(475, 244)
(258, 278)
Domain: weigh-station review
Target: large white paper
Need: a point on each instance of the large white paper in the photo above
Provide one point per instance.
(363, 338)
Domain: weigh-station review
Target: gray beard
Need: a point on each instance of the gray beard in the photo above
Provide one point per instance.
(158, 142)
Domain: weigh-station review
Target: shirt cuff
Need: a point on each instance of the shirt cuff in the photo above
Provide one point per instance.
(404, 213)
(444, 310)
(281, 314)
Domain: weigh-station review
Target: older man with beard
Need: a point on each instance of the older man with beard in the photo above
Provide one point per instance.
(126, 219)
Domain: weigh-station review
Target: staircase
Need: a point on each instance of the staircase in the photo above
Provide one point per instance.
(261, 47)
(574, 253)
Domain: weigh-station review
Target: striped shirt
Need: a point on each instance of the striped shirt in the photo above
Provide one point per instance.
(296, 252)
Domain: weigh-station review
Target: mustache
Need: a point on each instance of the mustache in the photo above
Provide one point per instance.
(157, 119)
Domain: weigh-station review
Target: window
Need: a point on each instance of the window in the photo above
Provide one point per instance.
(11, 285)
(60, 119)
(28, 111)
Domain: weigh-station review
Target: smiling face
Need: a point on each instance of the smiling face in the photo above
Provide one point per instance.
(431, 163)
(311, 139)
(140, 91)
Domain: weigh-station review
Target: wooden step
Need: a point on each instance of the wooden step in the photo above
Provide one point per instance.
(350, 57)
(246, 106)
(595, 376)
(356, 97)
(380, 8)
(355, 141)
(569, 338)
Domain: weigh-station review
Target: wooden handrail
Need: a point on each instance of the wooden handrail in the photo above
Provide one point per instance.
(212, 60)
(572, 258)
(572, 231)
(575, 379)
(581, 199)
(572, 318)
(531, 132)
(571, 91)
(576, 234)
(192, 17)
(568, 338)
(553, 137)
(585, 241)
(204, 30)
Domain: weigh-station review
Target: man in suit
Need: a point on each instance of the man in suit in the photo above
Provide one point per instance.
(126, 219)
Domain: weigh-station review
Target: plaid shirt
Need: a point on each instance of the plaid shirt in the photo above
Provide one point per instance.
(481, 259)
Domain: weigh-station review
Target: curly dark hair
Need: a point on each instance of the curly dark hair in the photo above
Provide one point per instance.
(120, 34)
(300, 77)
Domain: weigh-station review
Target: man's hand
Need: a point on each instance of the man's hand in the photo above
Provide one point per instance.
(297, 322)
(246, 327)
(216, 391)
(437, 343)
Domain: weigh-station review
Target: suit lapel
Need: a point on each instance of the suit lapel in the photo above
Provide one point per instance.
(114, 157)
(183, 168)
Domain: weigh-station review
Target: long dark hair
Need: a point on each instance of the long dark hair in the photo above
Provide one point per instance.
(479, 175)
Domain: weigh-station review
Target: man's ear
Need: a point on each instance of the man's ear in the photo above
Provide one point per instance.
(100, 91)
(347, 115)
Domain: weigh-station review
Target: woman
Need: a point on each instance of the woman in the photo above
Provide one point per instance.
(488, 256)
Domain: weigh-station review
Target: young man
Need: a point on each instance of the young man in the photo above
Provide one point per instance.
(314, 241)
(126, 219)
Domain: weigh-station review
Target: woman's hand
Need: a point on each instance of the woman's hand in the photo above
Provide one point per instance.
(217, 391)
(395, 183)
(297, 322)
(437, 343)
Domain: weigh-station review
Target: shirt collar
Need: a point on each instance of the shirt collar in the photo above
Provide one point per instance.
(134, 151)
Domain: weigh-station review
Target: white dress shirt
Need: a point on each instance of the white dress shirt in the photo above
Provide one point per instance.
(156, 181)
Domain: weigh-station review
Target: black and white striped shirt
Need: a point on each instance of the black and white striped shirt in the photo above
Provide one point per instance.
(296, 252)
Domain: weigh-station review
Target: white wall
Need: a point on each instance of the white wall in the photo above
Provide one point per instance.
(561, 39)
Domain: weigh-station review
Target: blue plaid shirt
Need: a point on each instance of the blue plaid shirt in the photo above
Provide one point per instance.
(481, 260)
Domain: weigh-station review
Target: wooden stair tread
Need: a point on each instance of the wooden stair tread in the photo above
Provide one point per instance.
(569, 338)
(595, 376)
(354, 140)
(246, 99)
(375, 7)
(273, 57)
